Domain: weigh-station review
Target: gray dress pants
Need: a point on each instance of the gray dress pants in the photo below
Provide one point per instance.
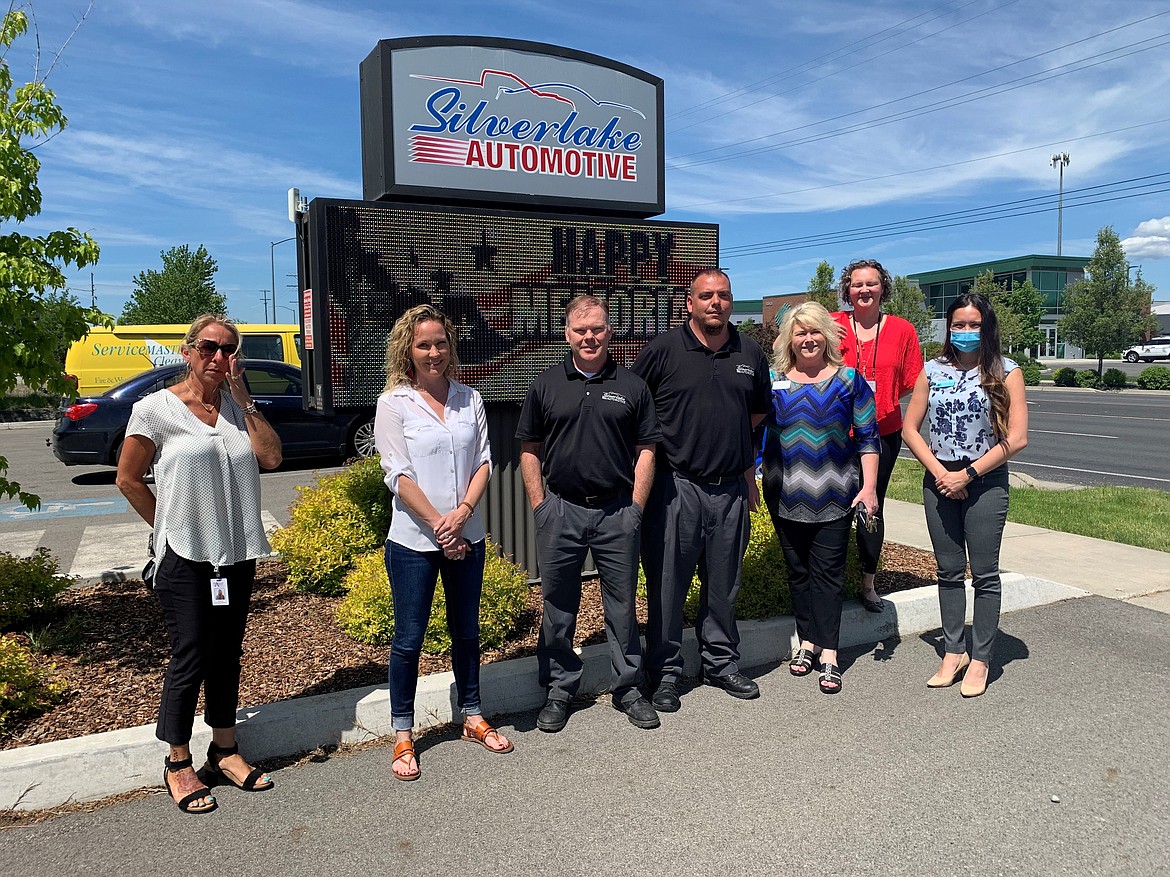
(564, 533)
(691, 525)
(962, 530)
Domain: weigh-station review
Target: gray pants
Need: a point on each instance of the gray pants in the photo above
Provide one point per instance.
(564, 533)
(962, 529)
(691, 525)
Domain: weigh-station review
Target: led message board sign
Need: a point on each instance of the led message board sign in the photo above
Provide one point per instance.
(477, 119)
(503, 278)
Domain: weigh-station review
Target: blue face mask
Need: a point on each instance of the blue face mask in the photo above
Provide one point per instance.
(965, 341)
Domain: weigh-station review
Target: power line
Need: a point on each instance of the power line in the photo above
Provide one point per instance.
(1159, 183)
(1062, 142)
(841, 70)
(987, 91)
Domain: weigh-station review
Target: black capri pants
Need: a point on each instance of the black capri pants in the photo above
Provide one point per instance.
(206, 643)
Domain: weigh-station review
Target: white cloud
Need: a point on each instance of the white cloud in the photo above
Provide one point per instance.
(1150, 240)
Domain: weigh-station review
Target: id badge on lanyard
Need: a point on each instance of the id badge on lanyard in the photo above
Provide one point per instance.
(219, 589)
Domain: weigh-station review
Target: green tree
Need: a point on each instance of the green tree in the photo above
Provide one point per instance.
(1020, 310)
(181, 291)
(907, 301)
(1105, 311)
(763, 334)
(32, 266)
(822, 287)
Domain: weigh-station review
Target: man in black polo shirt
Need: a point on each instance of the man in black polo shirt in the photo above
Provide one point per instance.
(711, 388)
(591, 423)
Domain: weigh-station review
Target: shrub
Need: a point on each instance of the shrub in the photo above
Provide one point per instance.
(1032, 372)
(931, 350)
(1065, 377)
(1087, 379)
(1114, 379)
(332, 522)
(24, 689)
(367, 612)
(1156, 377)
(29, 586)
(764, 590)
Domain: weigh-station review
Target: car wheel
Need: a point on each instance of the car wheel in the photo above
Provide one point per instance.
(1131, 357)
(361, 439)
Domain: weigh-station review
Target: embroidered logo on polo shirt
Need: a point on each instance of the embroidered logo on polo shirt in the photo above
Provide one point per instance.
(614, 397)
(745, 369)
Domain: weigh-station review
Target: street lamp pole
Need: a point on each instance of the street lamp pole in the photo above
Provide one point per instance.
(272, 260)
(1059, 160)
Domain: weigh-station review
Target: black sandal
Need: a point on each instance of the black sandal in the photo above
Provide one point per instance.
(251, 783)
(802, 662)
(185, 804)
(830, 673)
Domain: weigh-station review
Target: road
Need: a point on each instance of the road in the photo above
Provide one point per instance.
(85, 522)
(1060, 769)
(1076, 436)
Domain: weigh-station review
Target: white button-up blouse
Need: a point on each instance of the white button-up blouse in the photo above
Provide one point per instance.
(440, 456)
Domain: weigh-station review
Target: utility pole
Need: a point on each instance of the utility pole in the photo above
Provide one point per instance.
(92, 292)
(264, 298)
(1059, 160)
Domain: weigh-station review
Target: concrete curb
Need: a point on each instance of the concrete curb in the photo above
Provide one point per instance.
(88, 768)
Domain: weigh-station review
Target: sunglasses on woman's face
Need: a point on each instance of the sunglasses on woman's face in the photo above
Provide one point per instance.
(207, 349)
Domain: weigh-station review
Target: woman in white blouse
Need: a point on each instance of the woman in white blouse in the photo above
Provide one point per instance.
(978, 420)
(207, 443)
(431, 432)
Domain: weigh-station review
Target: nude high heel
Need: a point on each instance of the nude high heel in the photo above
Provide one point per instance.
(942, 680)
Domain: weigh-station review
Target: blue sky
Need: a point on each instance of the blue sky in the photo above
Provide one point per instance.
(189, 121)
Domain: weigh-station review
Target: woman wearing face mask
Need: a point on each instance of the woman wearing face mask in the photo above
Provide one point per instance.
(973, 397)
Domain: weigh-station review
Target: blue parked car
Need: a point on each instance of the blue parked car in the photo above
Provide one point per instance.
(90, 430)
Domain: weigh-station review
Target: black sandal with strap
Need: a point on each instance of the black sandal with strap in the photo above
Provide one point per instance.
(251, 783)
(185, 804)
(830, 673)
(802, 662)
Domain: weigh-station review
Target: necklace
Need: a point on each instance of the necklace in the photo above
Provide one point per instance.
(208, 408)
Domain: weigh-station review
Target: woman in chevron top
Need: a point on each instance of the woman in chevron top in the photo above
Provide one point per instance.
(822, 421)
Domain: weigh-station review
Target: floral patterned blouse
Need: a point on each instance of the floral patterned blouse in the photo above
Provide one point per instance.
(959, 412)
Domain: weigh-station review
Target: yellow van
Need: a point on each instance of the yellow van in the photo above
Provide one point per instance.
(106, 357)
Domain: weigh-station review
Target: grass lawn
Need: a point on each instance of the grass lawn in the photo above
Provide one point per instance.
(1129, 515)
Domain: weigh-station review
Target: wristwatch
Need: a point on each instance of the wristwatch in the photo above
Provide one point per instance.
(971, 473)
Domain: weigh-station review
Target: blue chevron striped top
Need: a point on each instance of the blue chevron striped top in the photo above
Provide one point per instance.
(815, 435)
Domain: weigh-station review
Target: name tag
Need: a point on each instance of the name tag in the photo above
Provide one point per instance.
(219, 592)
(781, 385)
(943, 383)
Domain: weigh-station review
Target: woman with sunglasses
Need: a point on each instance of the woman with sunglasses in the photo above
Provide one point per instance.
(884, 349)
(431, 432)
(207, 443)
(973, 399)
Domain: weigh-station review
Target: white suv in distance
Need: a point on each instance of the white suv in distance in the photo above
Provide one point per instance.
(1155, 348)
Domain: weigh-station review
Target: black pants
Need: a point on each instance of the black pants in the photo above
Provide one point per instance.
(206, 643)
(869, 545)
(815, 554)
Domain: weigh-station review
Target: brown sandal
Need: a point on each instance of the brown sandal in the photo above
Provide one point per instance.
(479, 732)
(404, 749)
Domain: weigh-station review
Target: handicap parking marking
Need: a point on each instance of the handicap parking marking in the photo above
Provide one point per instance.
(75, 508)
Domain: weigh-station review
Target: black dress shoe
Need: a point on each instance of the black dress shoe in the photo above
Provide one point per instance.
(735, 684)
(639, 712)
(554, 716)
(665, 698)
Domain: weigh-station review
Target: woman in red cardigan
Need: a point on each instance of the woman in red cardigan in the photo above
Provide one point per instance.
(885, 349)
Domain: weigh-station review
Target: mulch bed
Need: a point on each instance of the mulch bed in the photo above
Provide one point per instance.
(293, 648)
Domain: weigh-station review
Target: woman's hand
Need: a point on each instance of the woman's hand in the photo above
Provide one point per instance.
(953, 484)
(449, 527)
(867, 497)
(456, 550)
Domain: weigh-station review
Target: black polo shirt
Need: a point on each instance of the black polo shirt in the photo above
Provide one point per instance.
(589, 427)
(705, 399)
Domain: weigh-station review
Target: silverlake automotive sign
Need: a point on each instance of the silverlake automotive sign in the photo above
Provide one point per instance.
(464, 119)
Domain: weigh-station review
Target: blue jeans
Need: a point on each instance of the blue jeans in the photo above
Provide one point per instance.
(412, 585)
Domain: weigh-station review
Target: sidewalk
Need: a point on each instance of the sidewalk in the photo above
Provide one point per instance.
(1041, 567)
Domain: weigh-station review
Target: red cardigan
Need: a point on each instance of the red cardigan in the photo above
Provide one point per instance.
(899, 362)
